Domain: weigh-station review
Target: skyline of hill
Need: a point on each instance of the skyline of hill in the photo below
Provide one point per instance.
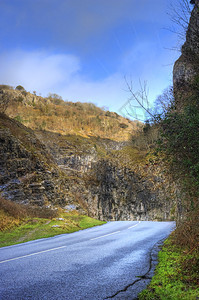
(56, 115)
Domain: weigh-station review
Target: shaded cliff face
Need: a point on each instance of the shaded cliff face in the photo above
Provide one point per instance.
(124, 194)
(186, 67)
(111, 181)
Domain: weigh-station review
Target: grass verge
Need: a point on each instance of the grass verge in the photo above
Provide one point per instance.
(37, 228)
(19, 224)
(172, 281)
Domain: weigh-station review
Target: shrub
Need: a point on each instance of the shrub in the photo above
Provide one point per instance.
(56, 99)
(20, 88)
(19, 99)
(180, 139)
(22, 211)
(146, 137)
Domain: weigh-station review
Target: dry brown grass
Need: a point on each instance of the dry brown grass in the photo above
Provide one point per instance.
(186, 237)
(55, 115)
(13, 209)
(187, 233)
(12, 214)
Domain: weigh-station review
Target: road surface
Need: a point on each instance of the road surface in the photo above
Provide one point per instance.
(103, 262)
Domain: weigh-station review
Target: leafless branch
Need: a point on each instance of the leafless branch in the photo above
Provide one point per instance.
(179, 14)
(141, 97)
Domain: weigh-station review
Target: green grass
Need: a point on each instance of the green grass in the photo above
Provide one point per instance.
(169, 282)
(37, 228)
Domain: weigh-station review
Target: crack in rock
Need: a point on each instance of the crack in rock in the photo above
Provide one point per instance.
(152, 264)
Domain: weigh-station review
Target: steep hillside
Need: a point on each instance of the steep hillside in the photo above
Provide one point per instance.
(55, 115)
(28, 173)
(105, 178)
(74, 153)
(79, 154)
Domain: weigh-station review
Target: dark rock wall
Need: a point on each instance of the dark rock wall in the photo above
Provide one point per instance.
(110, 191)
(125, 194)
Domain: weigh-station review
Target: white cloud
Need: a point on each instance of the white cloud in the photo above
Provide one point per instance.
(108, 92)
(62, 74)
(37, 70)
(56, 73)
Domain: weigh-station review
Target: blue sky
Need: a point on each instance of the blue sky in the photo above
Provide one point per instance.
(82, 49)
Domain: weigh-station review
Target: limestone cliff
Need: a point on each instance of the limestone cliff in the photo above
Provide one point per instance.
(106, 179)
(28, 173)
(187, 66)
(112, 181)
(61, 158)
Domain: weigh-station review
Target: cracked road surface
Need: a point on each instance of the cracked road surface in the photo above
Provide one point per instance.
(112, 261)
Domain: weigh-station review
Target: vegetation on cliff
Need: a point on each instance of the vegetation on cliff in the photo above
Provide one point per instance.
(55, 115)
(104, 177)
(177, 275)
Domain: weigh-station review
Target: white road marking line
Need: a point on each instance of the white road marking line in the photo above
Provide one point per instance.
(53, 249)
(134, 225)
(104, 235)
(36, 253)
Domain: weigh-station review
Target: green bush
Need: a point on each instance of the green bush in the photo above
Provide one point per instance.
(20, 88)
(180, 139)
(19, 99)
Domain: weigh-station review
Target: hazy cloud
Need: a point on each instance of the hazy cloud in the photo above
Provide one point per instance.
(62, 74)
(37, 70)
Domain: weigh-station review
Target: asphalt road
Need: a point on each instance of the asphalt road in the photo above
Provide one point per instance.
(97, 263)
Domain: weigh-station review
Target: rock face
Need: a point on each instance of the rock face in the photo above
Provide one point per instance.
(187, 66)
(45, 168)
(27, 172)
(107, 188)
(124, 195)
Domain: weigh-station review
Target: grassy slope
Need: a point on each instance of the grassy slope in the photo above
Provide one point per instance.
(177, 274)
(171, 280)
(15, 230)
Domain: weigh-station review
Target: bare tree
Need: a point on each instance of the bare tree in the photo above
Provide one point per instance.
(137, 106)
(180, 13)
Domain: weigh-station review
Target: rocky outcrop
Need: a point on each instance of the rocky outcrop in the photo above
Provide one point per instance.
(124, 195)
(187, 66)
(120, 193)
(28, 173)
(48, 169)
(107, 188)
